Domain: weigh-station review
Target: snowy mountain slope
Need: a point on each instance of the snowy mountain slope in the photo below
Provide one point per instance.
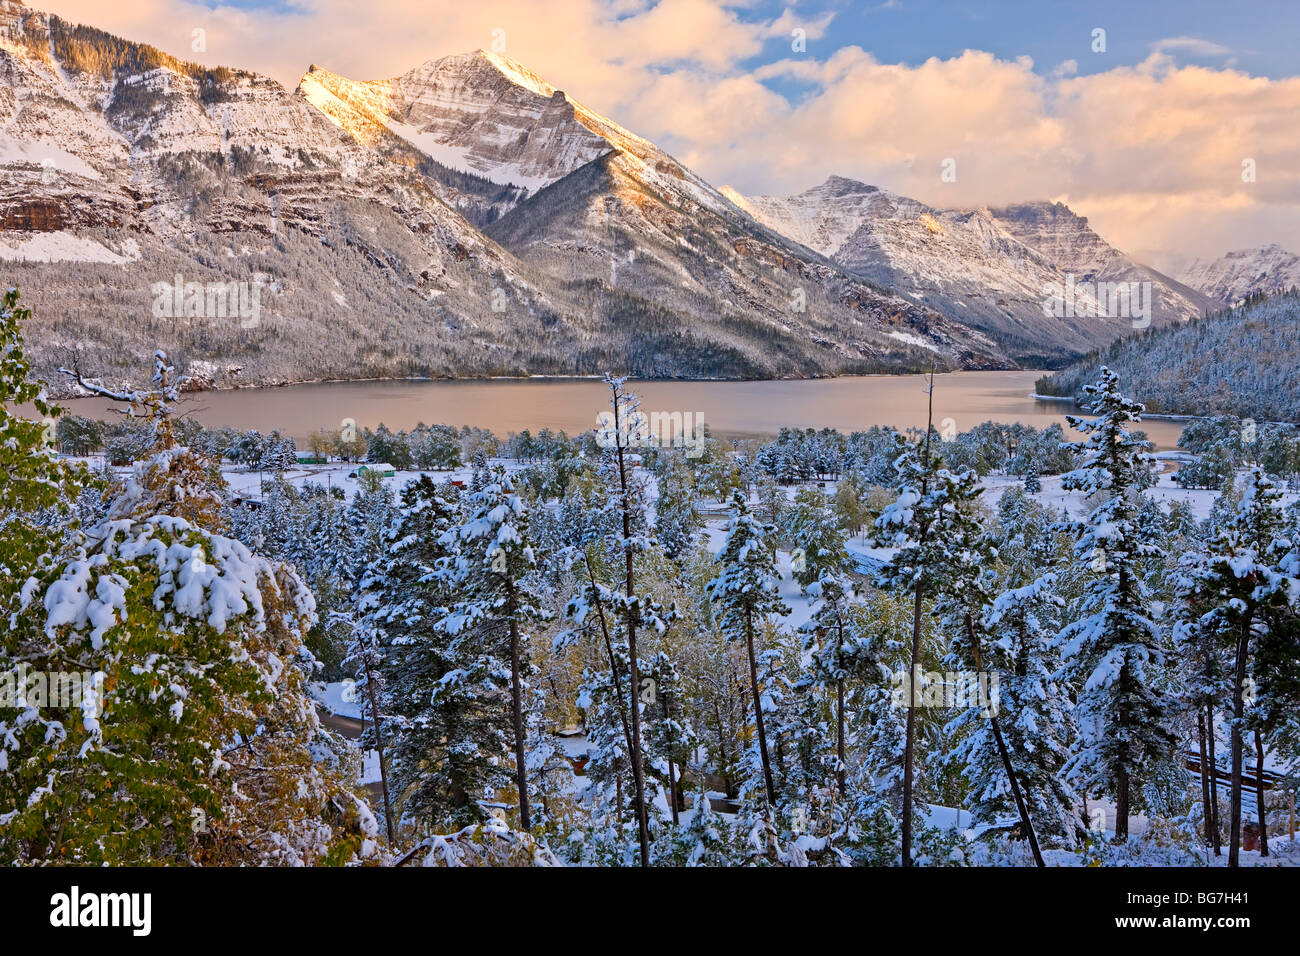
(1244, 272)
(1073, 247)
(464, 218)
(479, 113)
(220, 175)
(987, 269)
(643, 234)
(622, 212)
(126, 169)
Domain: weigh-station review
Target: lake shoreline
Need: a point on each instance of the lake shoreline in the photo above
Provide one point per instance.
(757, 408)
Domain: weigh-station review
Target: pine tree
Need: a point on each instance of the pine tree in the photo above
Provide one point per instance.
(31, 476)
(1231, 594)
(747, 590)
(670, 738)
(835, 652)
(963, 598)
(446, 712)
(914, 523)
(816, 539)
(1112, 653)
(487, 627)
(677, 521)
(193, 738)
(1033, 711)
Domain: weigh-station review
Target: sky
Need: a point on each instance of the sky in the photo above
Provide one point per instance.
(1172, 126)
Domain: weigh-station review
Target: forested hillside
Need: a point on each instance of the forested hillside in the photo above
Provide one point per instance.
(1240, 362)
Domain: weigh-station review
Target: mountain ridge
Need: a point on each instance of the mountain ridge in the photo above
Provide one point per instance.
(469, 218)
(993, 267)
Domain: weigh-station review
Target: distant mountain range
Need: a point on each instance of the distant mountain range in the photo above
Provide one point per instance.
(1244, 273)
(468, 219)
(990, 267)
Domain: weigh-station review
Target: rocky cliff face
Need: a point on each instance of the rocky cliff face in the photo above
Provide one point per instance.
(1074, 248)
(220, 175)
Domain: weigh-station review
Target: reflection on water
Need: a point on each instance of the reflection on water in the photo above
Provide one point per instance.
(729, 408)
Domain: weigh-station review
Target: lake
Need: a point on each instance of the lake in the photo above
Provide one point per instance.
(734, 409)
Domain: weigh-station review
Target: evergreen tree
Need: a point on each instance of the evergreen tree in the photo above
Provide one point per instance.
(487, 627)
(1231, 594)
(1033, 711)
(747, 591)
(1112, 652)
(834, 652)
(816, 539)
(677, 521)
(448, 726)
(193, 739)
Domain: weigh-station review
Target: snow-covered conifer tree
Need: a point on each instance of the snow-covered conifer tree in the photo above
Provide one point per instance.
(493, 607)
(747, 590)
(1112, 651)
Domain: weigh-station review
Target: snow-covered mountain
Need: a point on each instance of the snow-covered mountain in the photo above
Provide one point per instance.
(1067, 240)
(629, 228)
(465, 219)
(990, 269)
(480, 114)
(1244, 272)
(345, 204)
(124, 168)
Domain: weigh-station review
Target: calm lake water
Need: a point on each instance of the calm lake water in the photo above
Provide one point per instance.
(729, 408)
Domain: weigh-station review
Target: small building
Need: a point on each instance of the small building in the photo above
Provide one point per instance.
(306, 458)
(382, 468)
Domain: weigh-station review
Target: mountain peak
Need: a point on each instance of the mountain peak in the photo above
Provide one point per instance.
(844, 186)
(516, 72)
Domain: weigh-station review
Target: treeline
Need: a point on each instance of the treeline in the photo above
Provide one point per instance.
(1239, 362)
(1017, 449)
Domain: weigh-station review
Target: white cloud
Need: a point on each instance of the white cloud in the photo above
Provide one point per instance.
(1190, 45)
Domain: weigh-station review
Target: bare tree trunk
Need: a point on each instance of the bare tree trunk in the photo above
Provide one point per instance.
(1216, 827)
(1238, 708)
(379, 744)
(517, 706)
(1259, 794)
(1021, 807)
(909, 747)
(758, 711)
(722, 750)
(672, 772)
(840, 753)
(1121, 805)
(609, 651)
(1205, 777)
